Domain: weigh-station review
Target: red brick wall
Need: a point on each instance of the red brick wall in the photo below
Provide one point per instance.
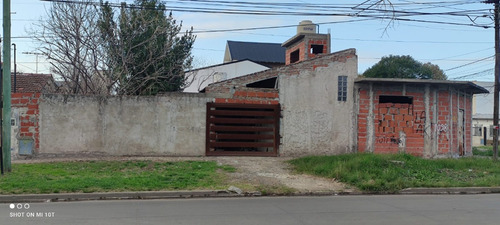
(363, 111)
(304, 47)
(302, 52)
(253, 96)
(444, 112)
(311, 42)
(392, 120)
(27, 103)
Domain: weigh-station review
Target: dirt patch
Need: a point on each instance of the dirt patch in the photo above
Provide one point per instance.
(275, 172)
(252, 173)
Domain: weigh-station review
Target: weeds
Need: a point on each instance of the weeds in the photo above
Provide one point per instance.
(390, 173)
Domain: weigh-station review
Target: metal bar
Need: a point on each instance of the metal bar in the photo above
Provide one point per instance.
(240, 128)
(240, 121)
(241, 144)
(239, 153)
(242, 106)
(241, 113)
(242, 136)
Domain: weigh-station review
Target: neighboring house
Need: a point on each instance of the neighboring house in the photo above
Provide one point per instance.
(267, 54)
(25, 112)
(240, 58)
(32, 83)
(313, 99)
(198, 79)
(482, 116)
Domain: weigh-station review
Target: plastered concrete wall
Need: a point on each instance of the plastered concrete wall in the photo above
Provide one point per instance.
(172, 125)
(314, 121)
(428, 127)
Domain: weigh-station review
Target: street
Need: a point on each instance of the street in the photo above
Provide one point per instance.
(380, 209)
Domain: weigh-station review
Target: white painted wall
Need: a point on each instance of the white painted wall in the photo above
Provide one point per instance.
(482, 112)
(483, 123)
(201, 78)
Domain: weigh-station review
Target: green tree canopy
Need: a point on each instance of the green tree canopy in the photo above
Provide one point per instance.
(404, 67)
(147, 54)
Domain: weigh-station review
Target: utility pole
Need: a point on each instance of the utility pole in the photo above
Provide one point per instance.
(1, 106)
(497, 74)
(6, 88)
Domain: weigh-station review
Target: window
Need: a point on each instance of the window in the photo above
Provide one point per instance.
(477, 130)
(316, 49)
(295, 56)
(491, 130)
(395, 99)
(342, 95)
(267, 83)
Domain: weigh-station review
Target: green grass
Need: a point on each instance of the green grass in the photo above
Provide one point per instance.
(393, 172)
(482, 151)
(107, 176)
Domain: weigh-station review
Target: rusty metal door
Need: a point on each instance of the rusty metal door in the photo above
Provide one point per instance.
(242, 129)
(461, 133)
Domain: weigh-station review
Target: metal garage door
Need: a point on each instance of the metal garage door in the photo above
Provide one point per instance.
(242, 129)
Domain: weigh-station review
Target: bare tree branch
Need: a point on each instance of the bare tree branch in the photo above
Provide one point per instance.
(69, 38)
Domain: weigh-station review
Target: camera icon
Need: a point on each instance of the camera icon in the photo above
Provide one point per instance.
(19, 206)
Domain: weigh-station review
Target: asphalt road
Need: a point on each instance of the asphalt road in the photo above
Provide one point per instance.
(372, 210)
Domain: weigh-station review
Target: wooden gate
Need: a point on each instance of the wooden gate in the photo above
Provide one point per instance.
(242, 129)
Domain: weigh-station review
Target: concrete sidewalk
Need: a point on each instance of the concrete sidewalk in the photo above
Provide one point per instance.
(221, 193)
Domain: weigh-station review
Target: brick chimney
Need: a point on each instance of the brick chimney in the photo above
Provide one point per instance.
(306, 43)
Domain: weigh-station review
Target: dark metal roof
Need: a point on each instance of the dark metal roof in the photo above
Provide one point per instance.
(258, 52)
(464, 85)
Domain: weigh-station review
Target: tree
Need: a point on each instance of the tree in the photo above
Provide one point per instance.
(68, 39)
(404, 67)
(437, 73)
(146, 53)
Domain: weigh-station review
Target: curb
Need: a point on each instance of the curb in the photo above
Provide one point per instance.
(458, 190)
(119, 196)
(30, 198)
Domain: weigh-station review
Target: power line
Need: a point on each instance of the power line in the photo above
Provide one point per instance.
(468, 53)
(479, 60)
(272, 27)
(474, 74)
(413, 41)
(341, 11)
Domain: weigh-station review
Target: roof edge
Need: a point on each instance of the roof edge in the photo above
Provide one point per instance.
(476, 89)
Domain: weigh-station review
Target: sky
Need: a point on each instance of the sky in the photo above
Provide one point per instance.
(450, 34)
